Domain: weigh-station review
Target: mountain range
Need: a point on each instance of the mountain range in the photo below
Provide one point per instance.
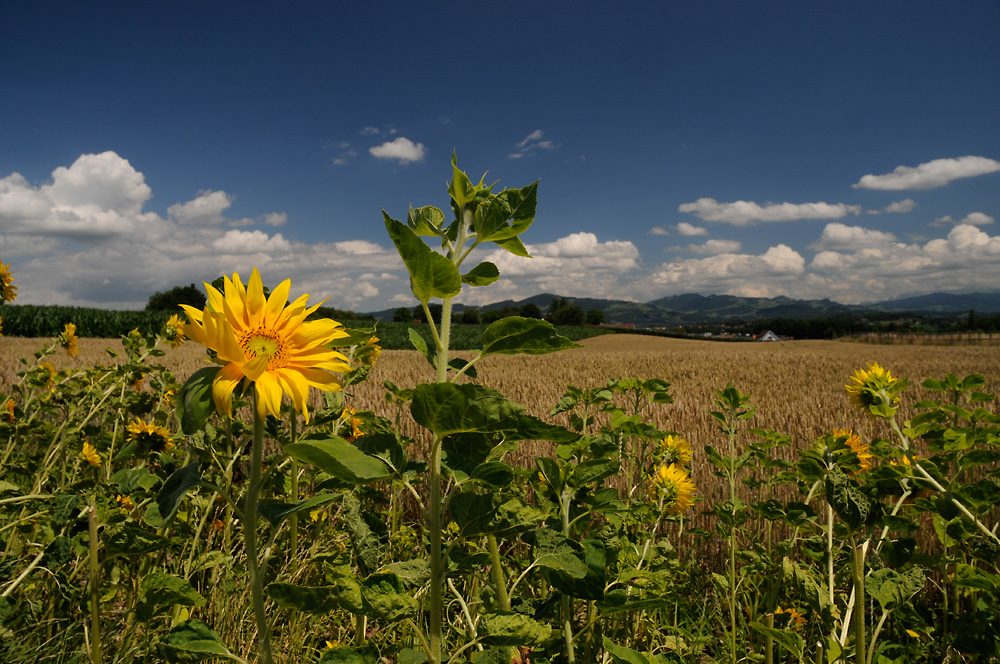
(693, 309)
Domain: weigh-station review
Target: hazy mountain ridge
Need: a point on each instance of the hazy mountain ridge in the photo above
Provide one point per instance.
(692, 308)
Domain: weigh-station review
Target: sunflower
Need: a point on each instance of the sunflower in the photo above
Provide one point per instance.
(795, 619)
(868, 387)
(8, 291)
(264, 342)
(351, 425)
(671, 485)
(50, 379)
(8, 416)
(858, 446)
(69, 341)
(1, 326)
(90, 455)
(125, 503)
(370, 352)
(149, 437)
(173, 331)
(674, 449)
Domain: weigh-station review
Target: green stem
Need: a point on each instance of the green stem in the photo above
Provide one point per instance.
(567, 602)
(499, 582)
(858, 572)
(250, 535)
(437, 564)
(96, 656)
(293, 522)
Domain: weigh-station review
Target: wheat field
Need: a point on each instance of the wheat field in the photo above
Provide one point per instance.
(797, 387)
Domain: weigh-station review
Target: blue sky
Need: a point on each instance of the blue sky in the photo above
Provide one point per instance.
(847, 150)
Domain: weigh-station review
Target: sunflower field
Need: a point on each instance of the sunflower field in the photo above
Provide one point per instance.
(259, 507)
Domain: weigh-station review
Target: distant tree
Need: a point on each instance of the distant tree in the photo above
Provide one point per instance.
(402, 315)
(490, 316)
(435, 309)
(529, 310)
(176, 296)
(470, 317)
(595, 317)
(557, 304)
(561, 312)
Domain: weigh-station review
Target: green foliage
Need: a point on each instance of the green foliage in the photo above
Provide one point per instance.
(172, 299)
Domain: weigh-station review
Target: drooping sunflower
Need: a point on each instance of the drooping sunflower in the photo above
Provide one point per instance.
(857, 445)
(69, 340)
(867, 387)
(674, 449)
(8, 291)
(173, 331)
(351, 426)
(265, 342)
(796, 620)
(149, 437)
(671, 483)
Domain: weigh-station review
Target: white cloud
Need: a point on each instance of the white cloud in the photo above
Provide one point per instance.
(971, 219)
(715, 247)
(740, 213)
(775, 272)
(531, 143)
(905, 205)
(837, 237)
(401, 149)
(684, 228)
(658, 230)
(936, 173)
(87, 242)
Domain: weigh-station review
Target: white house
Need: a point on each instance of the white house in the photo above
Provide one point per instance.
(768, 335)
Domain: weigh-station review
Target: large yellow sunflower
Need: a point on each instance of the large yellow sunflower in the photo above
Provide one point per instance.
(672, 483)
(674, 449)
(267, 343)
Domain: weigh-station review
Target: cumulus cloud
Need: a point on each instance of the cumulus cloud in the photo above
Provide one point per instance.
(401, 149)
(684, 228)
(658, 230)
(715, 247)
(84, 239)
(838, 237)
(741, 213)
(905, 205)
(775, 272)
(936, 173)
(971, 219)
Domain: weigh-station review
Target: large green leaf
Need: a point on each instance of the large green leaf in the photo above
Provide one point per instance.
(483, 274)
(340, 459)
(308, 599)
(446, 408)
(276, 511)
(516, 205)
(175, 487)
(351, 655)
(193, 641)
(848, 501)
(591, 586)
(127, 540)
(427, 220)
(194, 400)
(158, 592)
(593, 470)
(387, 599)
(506, 628)
(490, 514)
(431, 274)
(366, 543)
(555, 551)
(810, 588)
(890, 588)
(791, 641)
(514, 334)
(625, 655)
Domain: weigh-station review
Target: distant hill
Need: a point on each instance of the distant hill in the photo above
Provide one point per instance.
(693, 309)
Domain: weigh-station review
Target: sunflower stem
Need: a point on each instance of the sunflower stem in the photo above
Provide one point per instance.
(250, 535)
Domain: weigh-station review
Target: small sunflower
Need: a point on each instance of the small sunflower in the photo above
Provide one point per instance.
(8, 291)
(173, 331)
(371, 351)
(1, 326)
(8, 416)
(149, 437)
(671, 485)
(125, 503)
(868, 387)
(90, 455)
(858, 446)
(795, 619)
(50, 380)
(674, 449)
(351, 426)
(69, 340)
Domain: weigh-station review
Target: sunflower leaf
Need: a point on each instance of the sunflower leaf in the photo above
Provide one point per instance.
(514, 334)
(431, 274)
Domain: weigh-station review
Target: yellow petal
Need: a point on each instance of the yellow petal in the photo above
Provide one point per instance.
(222, 388)
(276, 302)
(255, 300)
(268, 396)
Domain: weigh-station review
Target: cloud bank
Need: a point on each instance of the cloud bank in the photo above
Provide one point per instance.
(741, 213)
(936, 173)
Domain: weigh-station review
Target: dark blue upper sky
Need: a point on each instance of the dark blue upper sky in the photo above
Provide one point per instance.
(681, 147)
